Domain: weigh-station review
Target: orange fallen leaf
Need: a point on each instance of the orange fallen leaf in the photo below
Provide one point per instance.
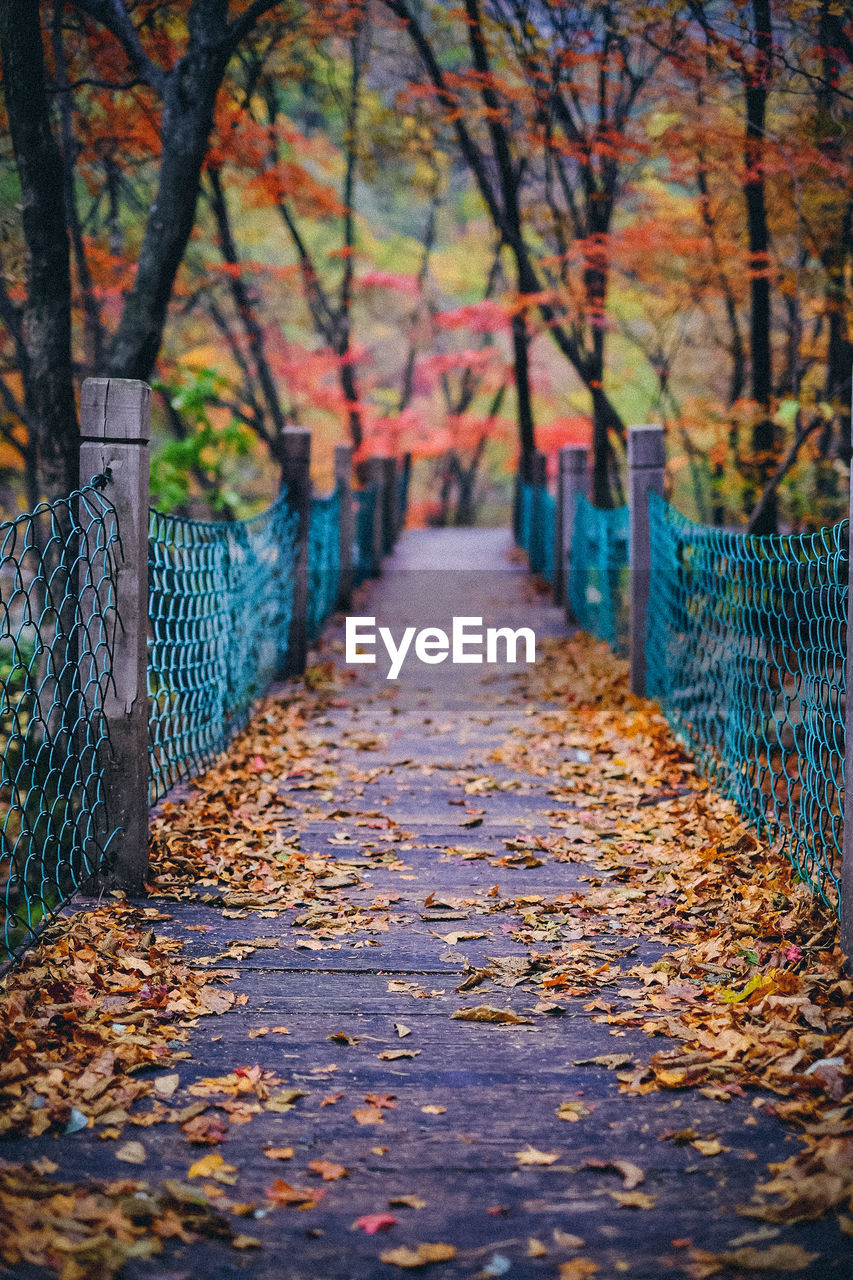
(278, 1153)
(328, 1170)
(421, 1256)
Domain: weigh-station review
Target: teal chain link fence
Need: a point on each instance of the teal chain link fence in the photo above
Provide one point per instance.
(220, 603)
(324, 561)
(746, 647)
(58, 574)
(364, 560)
(598, 573)
(536, 527)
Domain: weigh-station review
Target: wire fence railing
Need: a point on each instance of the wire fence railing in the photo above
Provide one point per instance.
(58, 578)
(598, 574)
(536, 528)
(324, 560)
(220, 600)
(109, 645)
(746, 654)
(742, 641)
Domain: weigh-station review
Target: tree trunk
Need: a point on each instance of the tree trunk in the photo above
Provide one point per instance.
(48, 375)
(188, 101)
(756, 84)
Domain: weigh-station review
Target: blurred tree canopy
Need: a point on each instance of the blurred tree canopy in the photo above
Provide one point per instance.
(464, 230)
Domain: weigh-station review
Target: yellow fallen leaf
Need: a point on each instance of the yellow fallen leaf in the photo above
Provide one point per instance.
(246, 1242)
(214, 1166)
(131, 1153)
(709, 1146)
(433, 1109)
(407, 1202)
(530, 1156)
(279, 1153)
(633, 1199)
(572, 1111)
(421, 1256)
(536, 1249)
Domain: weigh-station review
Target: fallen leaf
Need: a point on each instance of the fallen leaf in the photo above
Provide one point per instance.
(577, 1269)
(213, 1166)
(131, 1153)
(433, 1109)
(373, 1222)
(393, 1055)
(421, 1256)
(407, 1202)
(328, 1170)
(572, 1111)
(778, 1257)
(536, 1249)
(709, 1146)
(368, 1115)
(278, 1153)
(402, 1030)
(246, 1242)
(530, 1156)
(487, 1013)
(612, 1061)
(341, 1037)
(165, 1086)
(633, 1199)
(566, 1240)
(282, 1193)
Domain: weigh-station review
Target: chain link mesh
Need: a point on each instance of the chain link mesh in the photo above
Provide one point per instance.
(58, 576)
(220, 603)
(537, 513)
(746, 653)
(598, 575)
(324, 560)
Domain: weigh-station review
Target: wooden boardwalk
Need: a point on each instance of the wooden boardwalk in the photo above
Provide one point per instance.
(444, 1141)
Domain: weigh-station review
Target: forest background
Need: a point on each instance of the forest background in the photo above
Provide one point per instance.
(462, 230)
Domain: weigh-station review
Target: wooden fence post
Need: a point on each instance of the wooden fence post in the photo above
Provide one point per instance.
(646, 469)
(389, 504)
(374, 473)
(115, 430)
(572, 470)
(343, 484)
(539, 481)
(296, 478)
(405, 479)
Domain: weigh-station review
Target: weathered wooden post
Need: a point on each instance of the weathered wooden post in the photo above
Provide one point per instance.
(296, 479)
(646, 470)
(538, 481)
(374, 474)
(572, 471)
(389, 504)
(343, 484)
(403, 494)
(115, 430)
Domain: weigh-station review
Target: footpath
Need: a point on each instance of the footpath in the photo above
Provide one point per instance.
(466, 974)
